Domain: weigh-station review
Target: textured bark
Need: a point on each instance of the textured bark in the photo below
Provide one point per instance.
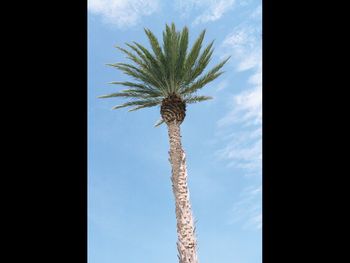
(186, 244)
(173, 108)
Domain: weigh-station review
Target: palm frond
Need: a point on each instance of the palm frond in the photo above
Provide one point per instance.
(141, 86)
(117, 94)
(195, 99)
(182, 54)
(155, 67)
(210, 76)
(170, 55)
(130, 84)
(153, 61)
(171, 43)
(146, 62)
(144, 103)
(155, 46)
(200, 83)
(159, 122)
(202, 62)
(138, 74)
(131, 93)
(164, 70)
(141, 62)
(139, 53)
(146, 93)
(192, 56)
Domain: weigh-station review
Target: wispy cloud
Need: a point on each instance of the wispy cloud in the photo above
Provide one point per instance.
(222, 85)
(248, 208)
(244, 148)
(245, 108)
(257, 13)
(214, 11)
(240, 128)
(211, 10)
(122, 13)
(245, 155)
(245, 44)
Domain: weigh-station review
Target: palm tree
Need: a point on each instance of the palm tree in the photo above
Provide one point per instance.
(170, 76)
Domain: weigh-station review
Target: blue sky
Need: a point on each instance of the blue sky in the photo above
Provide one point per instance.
(131, 211)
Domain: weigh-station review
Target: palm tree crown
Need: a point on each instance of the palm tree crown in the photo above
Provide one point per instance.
(169, 76)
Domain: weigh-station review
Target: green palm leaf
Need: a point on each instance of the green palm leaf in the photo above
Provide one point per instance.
(210, 76)
(159, 122)
(144, 103)
(195, 99)
(169, 69)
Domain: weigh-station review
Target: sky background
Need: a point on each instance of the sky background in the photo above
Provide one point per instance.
(131, 210)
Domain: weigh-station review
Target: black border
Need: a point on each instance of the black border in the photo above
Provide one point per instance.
(47, 184)
(289, 57)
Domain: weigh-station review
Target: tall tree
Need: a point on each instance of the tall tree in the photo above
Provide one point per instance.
(169, 76)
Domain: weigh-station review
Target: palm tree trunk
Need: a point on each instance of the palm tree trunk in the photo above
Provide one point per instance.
(186, 244)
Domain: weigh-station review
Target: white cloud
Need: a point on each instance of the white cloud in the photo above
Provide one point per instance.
(122, 13)
(244, 43)
(212, 10)
(257, 13)
(243, 151)
(215, 10)
(248, 208)
(240, 128)
(222, 85)
(245, 2)
(245, 108)
(186, 6)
